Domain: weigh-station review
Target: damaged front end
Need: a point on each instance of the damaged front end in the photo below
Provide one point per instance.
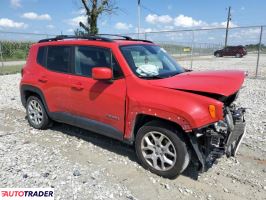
(222, 137)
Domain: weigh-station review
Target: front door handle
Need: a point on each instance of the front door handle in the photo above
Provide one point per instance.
(77, 86)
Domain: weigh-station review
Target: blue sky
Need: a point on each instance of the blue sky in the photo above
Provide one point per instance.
(56, 16)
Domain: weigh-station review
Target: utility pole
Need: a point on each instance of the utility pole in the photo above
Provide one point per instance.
(259, 49)
(138, 18)
(227, 26)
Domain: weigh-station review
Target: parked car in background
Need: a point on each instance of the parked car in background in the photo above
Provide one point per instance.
(237, 51)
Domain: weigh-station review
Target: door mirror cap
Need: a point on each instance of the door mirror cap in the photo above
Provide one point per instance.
(102, 73)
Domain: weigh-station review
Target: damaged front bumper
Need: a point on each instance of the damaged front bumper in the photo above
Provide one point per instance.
(223, 137)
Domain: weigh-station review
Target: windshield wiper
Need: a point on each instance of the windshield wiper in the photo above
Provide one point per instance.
(152, 77)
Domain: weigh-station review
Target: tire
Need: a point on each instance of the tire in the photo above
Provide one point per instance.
(218, 55)
(36, 113)
(176, 150)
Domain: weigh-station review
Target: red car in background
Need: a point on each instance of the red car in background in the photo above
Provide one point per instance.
(237, 51)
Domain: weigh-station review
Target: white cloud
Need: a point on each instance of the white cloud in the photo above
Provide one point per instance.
(8, 23)
(231, 24)
(163, 19)
(123, 26)
(185, 21)
(104, 23)
(248, 34)
(50, 26)
(221, 25)
(166, 22)
(75, 21)
(71, 30)
(147, 30)
(167, 28)
(15, 3)
(35, 16)
(79, 12)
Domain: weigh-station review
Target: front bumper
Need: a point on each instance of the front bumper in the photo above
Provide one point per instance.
(213, 141)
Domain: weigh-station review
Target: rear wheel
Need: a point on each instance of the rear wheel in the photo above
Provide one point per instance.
(161, 150)
(36, 113)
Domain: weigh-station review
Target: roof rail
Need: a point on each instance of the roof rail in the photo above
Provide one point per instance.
(126, 37)
(116, 35)
(92, 37)
(86, 37)
(141, 40)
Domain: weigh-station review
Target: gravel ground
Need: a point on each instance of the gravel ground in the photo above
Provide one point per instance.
(83, 165)
(247, 63)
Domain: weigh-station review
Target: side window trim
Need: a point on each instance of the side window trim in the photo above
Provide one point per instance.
(41, 61)
(45, 56)
(97, 47)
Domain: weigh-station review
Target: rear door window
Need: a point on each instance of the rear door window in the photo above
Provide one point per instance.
(87, 58)
(59, 58)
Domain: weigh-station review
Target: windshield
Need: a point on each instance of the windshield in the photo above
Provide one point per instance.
(150, 61)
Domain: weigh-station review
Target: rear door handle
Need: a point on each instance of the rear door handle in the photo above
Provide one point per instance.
(77, 86)
(43, 79)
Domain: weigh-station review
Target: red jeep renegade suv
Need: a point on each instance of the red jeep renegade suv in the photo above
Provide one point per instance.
(133, 91)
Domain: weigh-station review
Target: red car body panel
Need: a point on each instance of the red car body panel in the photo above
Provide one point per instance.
(54, 85)
(120, 102)
(188, 110)
(98, 100)
(216, 82)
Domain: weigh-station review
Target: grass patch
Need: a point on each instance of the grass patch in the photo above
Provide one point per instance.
(10, 69)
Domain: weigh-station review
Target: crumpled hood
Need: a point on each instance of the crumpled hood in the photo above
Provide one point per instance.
(216, 82)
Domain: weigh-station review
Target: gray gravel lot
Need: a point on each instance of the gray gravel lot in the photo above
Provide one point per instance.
(83, 165)
(247, 63)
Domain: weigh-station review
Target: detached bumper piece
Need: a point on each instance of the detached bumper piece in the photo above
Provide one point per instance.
(235, 138)
(223, 137)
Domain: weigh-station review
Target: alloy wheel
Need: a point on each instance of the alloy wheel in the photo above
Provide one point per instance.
(35, 112)
(158, 151)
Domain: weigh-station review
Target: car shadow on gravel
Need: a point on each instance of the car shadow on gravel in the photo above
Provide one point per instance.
(112, 145)
(101, 141)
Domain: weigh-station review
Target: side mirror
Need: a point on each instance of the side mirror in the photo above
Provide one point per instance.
(102, 73)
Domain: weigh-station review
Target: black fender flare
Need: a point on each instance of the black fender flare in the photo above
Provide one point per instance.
(32, 89)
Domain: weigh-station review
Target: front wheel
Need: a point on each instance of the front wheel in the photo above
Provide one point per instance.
(161, 149)
(218, 55)
(238, 55)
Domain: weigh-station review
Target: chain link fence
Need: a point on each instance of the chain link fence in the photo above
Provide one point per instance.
(14, 47)
(193, 49)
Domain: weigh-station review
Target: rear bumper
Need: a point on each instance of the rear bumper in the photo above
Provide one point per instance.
(210, 143)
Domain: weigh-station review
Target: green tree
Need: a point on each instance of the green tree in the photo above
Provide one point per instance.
(93, 9)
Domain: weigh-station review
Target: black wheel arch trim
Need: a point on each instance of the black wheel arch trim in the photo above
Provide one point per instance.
(29, 88)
